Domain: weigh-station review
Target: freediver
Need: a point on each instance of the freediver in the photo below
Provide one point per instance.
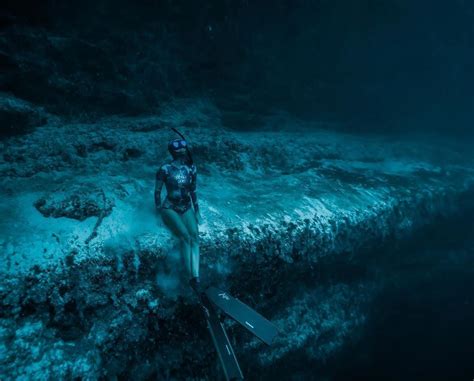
(179, 177)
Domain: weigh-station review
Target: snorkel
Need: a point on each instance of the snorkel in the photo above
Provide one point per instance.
(187, 149)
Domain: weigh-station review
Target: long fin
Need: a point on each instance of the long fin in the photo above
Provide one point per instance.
(221, 342)
(264, 329)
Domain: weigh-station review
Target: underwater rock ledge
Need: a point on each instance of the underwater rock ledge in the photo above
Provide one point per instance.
(110, 305)
(102, 317)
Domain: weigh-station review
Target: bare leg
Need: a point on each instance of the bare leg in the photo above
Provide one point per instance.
(189, 220)
(175, 224)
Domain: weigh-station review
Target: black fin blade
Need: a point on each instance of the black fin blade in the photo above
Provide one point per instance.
(221, 342)
(264, 329)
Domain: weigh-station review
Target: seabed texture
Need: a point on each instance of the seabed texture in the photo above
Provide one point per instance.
(92, 285)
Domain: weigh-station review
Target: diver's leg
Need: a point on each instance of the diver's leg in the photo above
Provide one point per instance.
(175, 224)
(189, 220)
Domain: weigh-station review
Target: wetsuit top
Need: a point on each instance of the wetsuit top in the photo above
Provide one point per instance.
(180, 182)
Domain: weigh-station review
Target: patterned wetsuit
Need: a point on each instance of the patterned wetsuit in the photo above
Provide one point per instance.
(180, 182)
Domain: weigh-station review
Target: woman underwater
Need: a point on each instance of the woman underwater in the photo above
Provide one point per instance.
(179, 177)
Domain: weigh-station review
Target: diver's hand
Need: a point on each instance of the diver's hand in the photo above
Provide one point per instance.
(198, 218)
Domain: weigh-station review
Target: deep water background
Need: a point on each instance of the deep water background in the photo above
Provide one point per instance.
(421, 320)
(384, 68)
(421, 325)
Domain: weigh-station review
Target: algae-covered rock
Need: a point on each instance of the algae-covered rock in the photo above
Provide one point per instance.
(78, 202)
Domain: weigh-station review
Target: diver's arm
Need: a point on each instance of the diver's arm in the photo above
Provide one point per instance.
(159, 181)
(194, 199)
(193, 189)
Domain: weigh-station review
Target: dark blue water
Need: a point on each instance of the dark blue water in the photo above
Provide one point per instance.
(421, 325)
